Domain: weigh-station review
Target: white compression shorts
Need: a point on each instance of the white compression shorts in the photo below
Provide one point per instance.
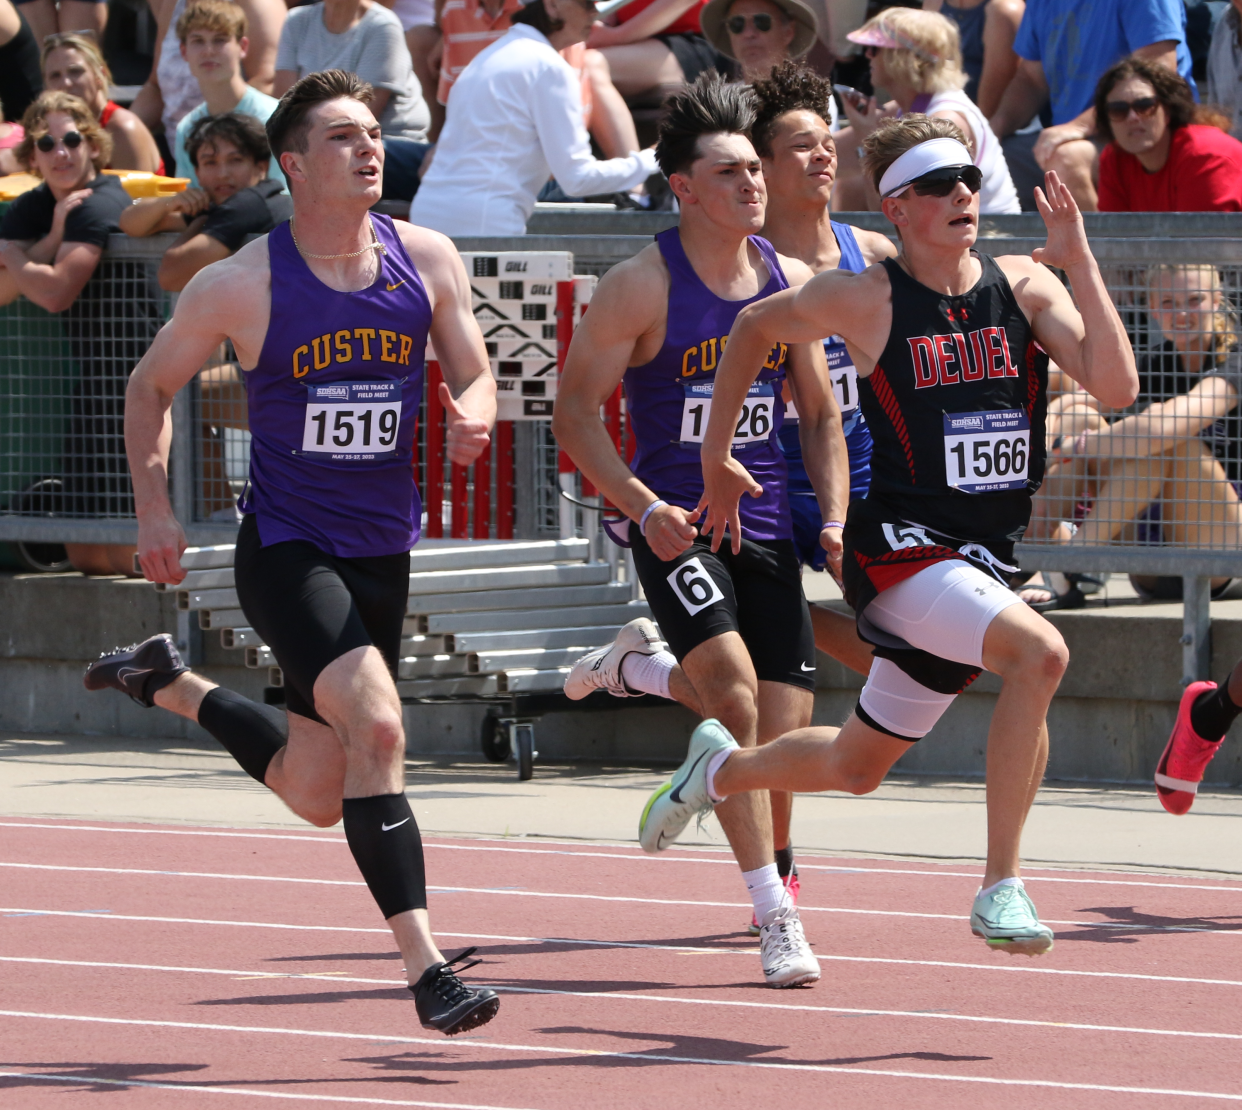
(945, 610)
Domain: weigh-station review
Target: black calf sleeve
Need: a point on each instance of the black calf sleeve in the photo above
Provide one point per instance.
(251, 733)
(1213, 712)
(383, 837)
(784, 861)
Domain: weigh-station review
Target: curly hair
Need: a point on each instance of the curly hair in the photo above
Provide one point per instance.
(35, 123)
(790, 88)
(1170, 88)
(711, 106)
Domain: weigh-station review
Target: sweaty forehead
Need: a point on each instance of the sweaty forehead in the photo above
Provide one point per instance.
(724, 147)
(343, 112)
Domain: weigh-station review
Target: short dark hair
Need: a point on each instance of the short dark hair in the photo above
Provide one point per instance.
(534, 14)
(711, 106)
(287, 126)
(243, 131)
(790, 88)
(1171, 90)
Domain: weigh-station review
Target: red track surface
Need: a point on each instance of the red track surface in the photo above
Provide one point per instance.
(175, 967)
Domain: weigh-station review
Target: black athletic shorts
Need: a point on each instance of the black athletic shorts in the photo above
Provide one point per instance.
(756, 593)
(311, 607)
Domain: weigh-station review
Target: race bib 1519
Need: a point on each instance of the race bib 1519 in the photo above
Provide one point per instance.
(352, 421)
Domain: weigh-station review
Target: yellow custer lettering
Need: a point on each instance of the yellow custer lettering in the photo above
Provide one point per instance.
(776, 356)
(707, 345)
(300, 371)
(344, 348)
(407, 344)
(688, 371)
(327, 350)
(366, 335)
(387, 338)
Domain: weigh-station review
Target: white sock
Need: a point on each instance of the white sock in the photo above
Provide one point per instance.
(648, 673)
(713, 765)
(766, 890)
(1014, 881)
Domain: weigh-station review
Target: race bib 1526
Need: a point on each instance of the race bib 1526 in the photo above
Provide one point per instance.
(987, 451)
(754, 425)
(352, 421)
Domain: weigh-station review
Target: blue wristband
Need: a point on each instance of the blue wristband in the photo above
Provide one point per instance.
(642, 524)
(832, 524)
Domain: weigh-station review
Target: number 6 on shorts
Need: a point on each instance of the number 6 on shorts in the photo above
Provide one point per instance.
(694, 587)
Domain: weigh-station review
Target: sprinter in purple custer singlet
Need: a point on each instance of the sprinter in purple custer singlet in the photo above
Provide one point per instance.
(736, 620)
(330, 316)
(950, 348)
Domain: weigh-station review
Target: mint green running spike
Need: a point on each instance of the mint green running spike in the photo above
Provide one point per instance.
(669, 809)
(1007, 920)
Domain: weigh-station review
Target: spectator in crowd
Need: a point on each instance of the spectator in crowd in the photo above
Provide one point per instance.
(171, 90)
(47, 17)
(470, 26)
(915, 55)
(365, 38)
(52, 239)
(11, 135)
(986, 29)
(1224, 66)
(655, 45)
(759, 34)
(21, 79)
(420, 19)
(236, 198)
(73, 64)
(1065, 46)
(214, 44)
(1171, 466)
(514, 118)
(1164, 153)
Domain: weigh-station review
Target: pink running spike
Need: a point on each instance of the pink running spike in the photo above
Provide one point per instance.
(1185, 757)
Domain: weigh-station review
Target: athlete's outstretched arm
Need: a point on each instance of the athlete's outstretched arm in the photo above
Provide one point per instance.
(468, 392)
(1088, 342)
(627, 308)
(207, 313)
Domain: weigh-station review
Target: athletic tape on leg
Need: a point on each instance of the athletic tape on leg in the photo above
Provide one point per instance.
(899, 705)
(251, 733)
(383, 837)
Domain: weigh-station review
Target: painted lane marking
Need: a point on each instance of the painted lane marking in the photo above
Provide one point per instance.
(602, 897)
(640, 1057)
(679, 948)
(637, 856)
(86, 1081)
(340, 977)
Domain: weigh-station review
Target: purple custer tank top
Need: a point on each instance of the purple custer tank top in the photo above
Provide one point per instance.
(333, 405)
(667, 398)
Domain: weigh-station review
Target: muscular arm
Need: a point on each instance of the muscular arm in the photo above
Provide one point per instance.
(264, 21)
(52, 286)
(1000, 27)
(874, 246)
(1026, 94)
(1089, 341)
(1160, 426)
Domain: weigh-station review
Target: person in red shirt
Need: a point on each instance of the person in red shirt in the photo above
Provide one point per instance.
(1165, 153)
(655, 45)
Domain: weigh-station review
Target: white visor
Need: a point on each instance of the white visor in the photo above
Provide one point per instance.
(935, 154)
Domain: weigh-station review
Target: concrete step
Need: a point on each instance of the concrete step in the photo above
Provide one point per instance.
(513, 620)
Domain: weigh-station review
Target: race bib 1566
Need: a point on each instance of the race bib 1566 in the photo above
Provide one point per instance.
(352, 421)
(987, 451)
(754, 425)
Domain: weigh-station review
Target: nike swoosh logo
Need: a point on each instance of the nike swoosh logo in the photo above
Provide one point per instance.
(391, 287)
(131, 672)
(805, 667)
(389, 828)
(675, 793)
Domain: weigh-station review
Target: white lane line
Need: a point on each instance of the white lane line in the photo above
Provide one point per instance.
(699, 857)
(334, 977)
(85, 1081)
(555, 1050)
(603, 897)
(682, 948)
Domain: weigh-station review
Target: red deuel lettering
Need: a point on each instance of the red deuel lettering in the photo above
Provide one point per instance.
(1011, 371)
(944, 359)
(976, 372)
(996, 350)
(923, 355)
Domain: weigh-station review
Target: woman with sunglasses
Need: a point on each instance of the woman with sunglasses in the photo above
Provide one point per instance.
(1165, 153)
(917, 57)
(52, 239)
(760, 34)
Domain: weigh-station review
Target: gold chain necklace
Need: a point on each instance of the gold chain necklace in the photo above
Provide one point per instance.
(375, 244)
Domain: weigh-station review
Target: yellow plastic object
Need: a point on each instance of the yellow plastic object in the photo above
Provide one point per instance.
(138, 183)
(12, 185)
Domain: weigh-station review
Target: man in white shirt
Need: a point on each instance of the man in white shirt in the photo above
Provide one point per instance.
(514, 120)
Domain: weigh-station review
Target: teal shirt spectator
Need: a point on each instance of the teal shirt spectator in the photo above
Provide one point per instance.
(252, 103)
(1077, 40)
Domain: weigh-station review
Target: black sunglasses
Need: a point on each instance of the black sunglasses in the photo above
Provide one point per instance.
(71, 139)
(1119, 110)
(940, 183)
(762, 22)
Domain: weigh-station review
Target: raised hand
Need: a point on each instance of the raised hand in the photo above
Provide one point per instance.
(724, 482)
(1067, 238)
(467, 435)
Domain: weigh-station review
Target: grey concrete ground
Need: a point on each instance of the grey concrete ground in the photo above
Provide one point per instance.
(180, 781)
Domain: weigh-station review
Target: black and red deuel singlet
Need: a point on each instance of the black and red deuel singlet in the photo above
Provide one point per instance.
(956, 406)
